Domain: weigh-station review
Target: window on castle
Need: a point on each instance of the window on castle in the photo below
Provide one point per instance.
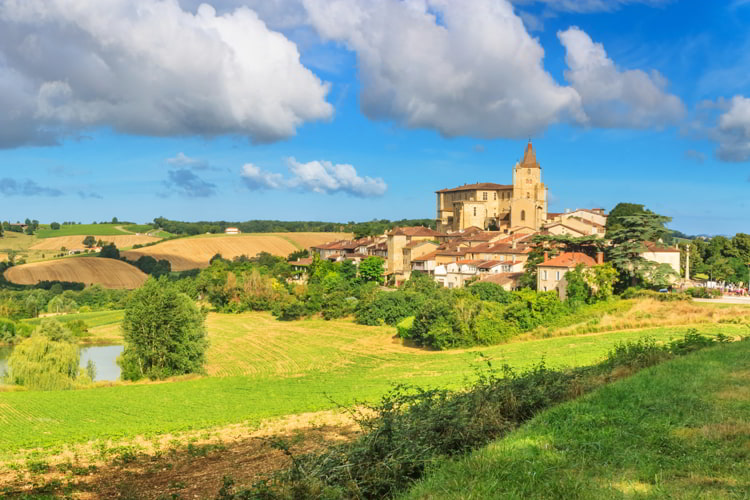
(523, 214)
(528, 195)
(484, 196)
(475, 211)
(494, 195)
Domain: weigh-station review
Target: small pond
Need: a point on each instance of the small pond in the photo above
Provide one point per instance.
(103, 356)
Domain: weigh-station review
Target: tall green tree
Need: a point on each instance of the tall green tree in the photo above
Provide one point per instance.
(628, 245)
(614, 220)
(89, 241)
(164, 333)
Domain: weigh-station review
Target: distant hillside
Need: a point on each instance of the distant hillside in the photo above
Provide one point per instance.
(278, 226)
(108, 273)
(82, 230)
(196, 252)
(71, 242)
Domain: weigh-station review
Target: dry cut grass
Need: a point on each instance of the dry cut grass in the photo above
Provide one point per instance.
(71, 242)
(108, 273)
(192, 253)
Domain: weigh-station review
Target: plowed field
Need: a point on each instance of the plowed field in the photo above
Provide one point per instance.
(71, 242)
(192, 253)
(108, 273)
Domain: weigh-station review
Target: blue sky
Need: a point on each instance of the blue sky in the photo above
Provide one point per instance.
(144, 108)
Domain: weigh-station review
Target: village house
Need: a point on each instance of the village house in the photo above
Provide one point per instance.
(232, 230)
(509, 281)
(550, 274)
(662, 254)
(398, 238)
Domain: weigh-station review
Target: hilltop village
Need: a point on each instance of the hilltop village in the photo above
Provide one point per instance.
(485, 232)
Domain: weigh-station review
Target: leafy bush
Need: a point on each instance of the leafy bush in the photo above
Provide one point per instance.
(700, 292)
(404, 327)
(639, 293)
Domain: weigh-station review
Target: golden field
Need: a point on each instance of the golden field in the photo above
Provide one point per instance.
(108, 273)
(196, 252)
(72, 242)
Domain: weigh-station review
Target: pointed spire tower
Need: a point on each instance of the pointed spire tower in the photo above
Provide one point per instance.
(529, 203)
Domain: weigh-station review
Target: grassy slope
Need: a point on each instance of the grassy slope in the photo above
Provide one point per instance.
(678, 430)
(293, 369)
(82, 230)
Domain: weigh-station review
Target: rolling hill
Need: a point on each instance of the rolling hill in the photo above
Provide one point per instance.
(196, 252)
(70, 242)
(108, 273)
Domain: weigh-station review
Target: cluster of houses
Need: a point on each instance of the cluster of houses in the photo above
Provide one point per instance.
(484, 232)
(454, 258)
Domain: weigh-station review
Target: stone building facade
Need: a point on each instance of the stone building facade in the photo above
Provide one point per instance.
(503, 207)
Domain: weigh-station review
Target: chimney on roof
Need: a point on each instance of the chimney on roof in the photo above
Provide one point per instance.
(546, 256)
(600, 258)
(513, 243)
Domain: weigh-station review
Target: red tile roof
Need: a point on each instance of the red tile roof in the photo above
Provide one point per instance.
(415, 231)
(659, 248)
(425, 257)
(569, 260)
(501, 278)
(474, 187)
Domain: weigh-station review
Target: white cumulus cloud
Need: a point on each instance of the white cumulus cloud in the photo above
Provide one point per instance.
(322, 177)
(462, 68)
(148, 67)
(733, 131)
(613, 98)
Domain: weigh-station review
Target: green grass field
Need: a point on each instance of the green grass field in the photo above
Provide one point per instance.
(82, 230)
(678, 430)
(276, 369)
(138, 228)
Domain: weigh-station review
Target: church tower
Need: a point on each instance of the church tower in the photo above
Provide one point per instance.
(528, 206)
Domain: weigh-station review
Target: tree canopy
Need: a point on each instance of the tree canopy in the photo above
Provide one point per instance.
(164, 333)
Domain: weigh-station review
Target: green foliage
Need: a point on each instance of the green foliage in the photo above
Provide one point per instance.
(578, 291)
(89, 241)
(48, 360)
(700, 292)
(614, 220)
(164, 333)
(627, 248)
(54, 226)
(371, 269)
(601, 279)
(485, 290)
(404, 327)
(109, 251)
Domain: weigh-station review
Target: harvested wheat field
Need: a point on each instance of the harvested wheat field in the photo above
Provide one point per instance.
(192, 253)
(71, 242)
(108, 273)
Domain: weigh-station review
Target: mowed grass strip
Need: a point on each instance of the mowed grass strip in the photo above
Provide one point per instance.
(678, 430)
(108, 273)
(313, 378)
(81, 230)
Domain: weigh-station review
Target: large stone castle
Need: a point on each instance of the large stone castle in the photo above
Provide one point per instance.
(499, 207)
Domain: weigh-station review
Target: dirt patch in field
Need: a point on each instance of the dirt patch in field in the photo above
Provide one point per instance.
(190, 465)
